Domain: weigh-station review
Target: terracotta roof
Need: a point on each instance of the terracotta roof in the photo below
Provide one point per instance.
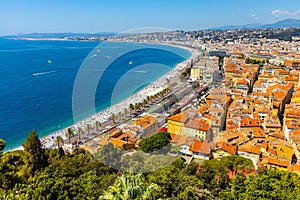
(196, 145)
(202, 147)
(103, 141)
(226, 147)
(249, 122)
(181, 139)
(294, 168)
(242, 82)
(116, 142)
(256, 132)
(183, 116)
(145, 121)
(199, 124)
(250, 149)
(281, 163)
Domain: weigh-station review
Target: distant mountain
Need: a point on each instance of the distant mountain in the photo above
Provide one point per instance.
(287, 23)
(231, 27)
(59, 35)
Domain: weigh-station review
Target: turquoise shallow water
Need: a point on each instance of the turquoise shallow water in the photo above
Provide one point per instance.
(37, 95)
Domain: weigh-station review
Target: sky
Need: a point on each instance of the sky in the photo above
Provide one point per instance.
(27, 16)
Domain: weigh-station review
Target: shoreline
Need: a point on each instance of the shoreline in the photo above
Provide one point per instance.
(39, 39)
(104, 115)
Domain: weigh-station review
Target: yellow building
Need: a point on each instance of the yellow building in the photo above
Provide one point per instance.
(198, 128)
(176, 123)
(195, 72)
(296, 97)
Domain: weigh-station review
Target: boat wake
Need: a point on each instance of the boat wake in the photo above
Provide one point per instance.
(140, 71)
(93, 55)
(43, 73)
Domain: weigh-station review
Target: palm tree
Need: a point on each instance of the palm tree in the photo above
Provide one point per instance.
(145, 102)
(79, 132)
(131, 107)
(69, 134)
(113, 117)
(98, 124)
(148, 98)
(152, 98)
(136, 106)
(140, 105)
(131, 187)
(58, 140)
(160, 94)
(119, 116)
(125, 112)
(88, 128)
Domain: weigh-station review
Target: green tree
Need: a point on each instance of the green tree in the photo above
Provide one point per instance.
(110, 155)
(80, 133)
(174, 180)
(14, 169)
(98, 125)
(238, 186)
(76, 176)
(234, 163)
(154, 142)
(125, 112)
(145, 102)
(70, 134)
(88, 128)
(113, 117)
(131, 187)
(131, 108)
(2, 146)
(272, 185)
(58, 140)
(37, 158)
(188, 193)
(214, 174)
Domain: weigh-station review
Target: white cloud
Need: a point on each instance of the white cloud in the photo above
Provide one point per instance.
(254, 16)
(284, 13)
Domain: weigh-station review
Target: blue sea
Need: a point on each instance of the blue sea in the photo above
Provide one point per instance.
(37, 80)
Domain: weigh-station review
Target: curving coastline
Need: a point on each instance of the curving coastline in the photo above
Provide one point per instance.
(104, 115)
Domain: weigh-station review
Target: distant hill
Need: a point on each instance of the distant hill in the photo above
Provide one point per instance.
(287, 23)
(231, 27)
(60, 35)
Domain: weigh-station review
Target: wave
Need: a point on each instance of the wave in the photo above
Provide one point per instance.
(43, 73)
